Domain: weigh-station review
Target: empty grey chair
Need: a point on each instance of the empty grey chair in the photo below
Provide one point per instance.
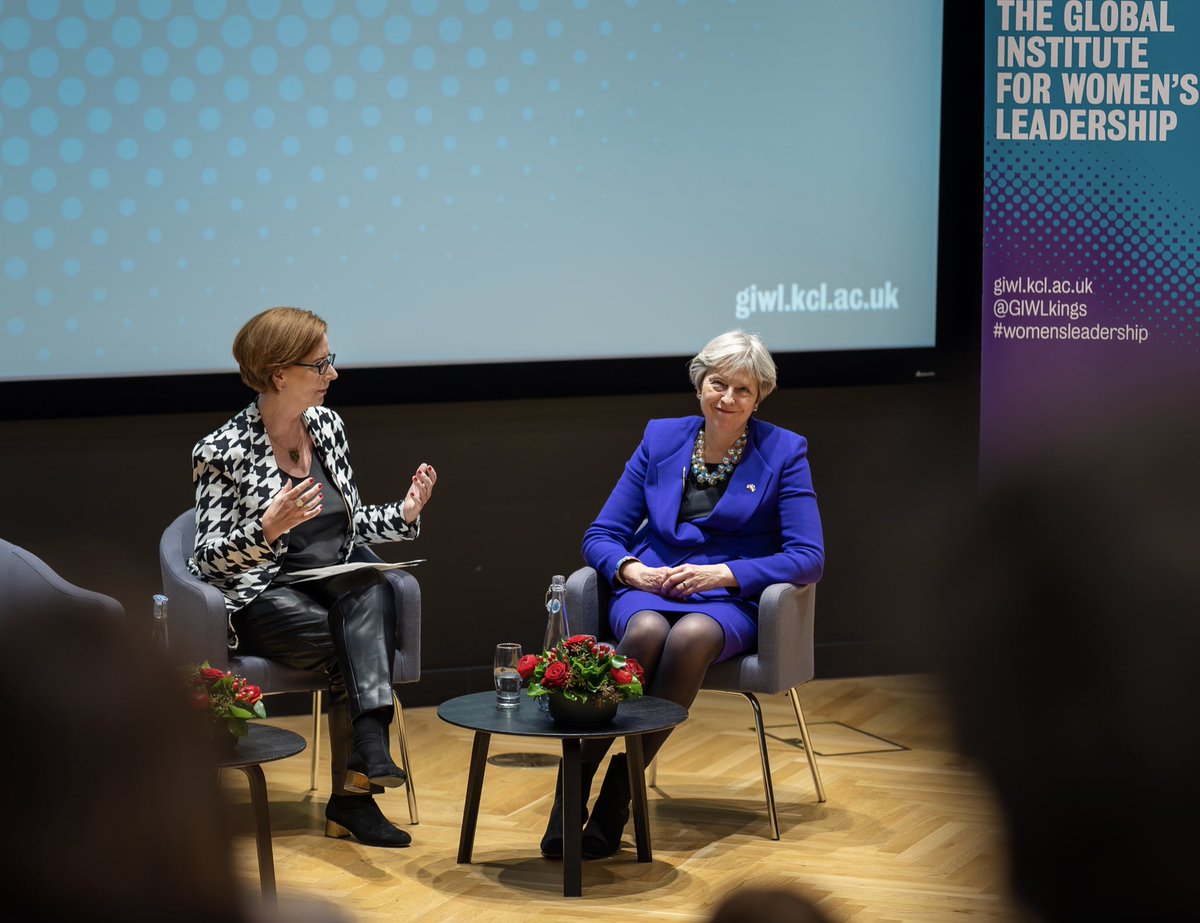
(198, 624)
(29, 583)
(783, 661)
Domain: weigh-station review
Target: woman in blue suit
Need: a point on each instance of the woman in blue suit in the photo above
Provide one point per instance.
(709, 512)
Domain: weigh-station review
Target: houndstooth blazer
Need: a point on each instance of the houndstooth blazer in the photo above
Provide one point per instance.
(236, 477)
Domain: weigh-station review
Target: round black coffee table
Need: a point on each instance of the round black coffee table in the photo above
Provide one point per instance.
(478, 712)
(264, 744)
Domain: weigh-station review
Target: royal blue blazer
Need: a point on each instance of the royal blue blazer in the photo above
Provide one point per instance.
(766, 527)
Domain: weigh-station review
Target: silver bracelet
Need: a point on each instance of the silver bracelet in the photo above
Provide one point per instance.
(621, 563)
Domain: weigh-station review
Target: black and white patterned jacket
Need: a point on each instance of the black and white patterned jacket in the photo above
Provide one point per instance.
(236, 476)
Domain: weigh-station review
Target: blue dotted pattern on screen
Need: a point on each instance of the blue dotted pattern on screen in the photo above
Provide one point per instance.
(136, 135)
(169, 167)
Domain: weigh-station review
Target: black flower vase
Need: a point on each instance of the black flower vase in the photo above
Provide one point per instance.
(222, 741)
(590, 711)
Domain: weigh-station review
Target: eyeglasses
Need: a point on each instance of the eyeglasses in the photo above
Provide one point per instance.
(322, 366)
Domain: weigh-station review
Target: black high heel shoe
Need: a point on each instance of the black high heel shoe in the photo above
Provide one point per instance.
(370, 762)
(602, 835)
(359, 816)
(552, 839)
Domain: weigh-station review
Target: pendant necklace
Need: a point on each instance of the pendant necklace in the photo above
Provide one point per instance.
(294, 454)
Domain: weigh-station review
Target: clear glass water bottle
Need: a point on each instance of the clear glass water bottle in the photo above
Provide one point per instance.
(556, 621)
(158, 626)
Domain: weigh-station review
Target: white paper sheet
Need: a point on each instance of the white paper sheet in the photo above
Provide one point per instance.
(314, 573)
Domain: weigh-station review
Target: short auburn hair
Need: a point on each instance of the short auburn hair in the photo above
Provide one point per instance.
(273, 340)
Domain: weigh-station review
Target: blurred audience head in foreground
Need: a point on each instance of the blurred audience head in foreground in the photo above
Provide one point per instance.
(113, 810)
(755, 904)
(1070, 634)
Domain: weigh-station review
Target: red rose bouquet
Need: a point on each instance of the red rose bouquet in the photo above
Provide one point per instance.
(582, 669)
(228, 699)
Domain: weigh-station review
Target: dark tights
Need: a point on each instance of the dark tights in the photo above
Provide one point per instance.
(675, 658)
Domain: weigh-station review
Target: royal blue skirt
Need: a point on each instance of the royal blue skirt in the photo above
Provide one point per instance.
(737, 617)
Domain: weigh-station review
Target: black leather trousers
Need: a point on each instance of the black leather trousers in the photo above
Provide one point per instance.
(343, 626)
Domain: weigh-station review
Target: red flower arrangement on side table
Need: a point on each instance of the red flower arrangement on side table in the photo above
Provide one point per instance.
(229, 699)
(582, 669)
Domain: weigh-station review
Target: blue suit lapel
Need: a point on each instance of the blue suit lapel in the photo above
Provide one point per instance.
(667, 496)
(736, 507)
(740, 501)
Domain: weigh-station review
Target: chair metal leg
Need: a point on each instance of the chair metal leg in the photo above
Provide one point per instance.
(766, 763)
(398, 711)
(768, 787)
(807, 741)
(316, 741)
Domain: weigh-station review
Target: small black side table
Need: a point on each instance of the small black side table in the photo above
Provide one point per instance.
(264, 744)
(479, 713)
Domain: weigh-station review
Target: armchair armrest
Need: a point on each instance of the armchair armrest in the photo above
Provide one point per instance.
(29, 584)
(786, 616)
(587, 603)
(197, 620)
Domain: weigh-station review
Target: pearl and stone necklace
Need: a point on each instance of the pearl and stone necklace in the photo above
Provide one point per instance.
(708, 478)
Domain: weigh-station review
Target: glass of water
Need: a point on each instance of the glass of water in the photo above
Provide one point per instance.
(508, 680)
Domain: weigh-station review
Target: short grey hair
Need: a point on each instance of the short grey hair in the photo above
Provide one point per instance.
(735, 352)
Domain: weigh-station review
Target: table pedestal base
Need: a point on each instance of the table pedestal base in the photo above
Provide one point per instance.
(572, 806)
(262, 830)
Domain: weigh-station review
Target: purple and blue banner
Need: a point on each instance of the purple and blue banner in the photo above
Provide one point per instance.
(1091, 215)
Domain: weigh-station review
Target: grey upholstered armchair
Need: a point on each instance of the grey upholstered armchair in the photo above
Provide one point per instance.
(783, 661)
(27, 583)
(198, 630)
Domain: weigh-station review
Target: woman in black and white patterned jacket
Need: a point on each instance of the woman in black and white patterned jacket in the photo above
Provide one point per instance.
(275, 494)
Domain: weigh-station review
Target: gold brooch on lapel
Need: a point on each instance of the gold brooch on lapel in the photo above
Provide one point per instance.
(751, 488)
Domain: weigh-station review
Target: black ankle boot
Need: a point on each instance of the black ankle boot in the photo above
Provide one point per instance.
(359, 816)
(602, 835)
(370, 762)
(552, 839)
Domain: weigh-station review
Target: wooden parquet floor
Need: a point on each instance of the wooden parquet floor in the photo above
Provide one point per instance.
(909, 831)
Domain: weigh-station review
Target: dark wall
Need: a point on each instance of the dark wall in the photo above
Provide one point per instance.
(518, 483)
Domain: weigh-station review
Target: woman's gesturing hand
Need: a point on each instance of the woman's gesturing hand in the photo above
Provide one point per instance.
(290, 507)
(689, 579)
(420, 492)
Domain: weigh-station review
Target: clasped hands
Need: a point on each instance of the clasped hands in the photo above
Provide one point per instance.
(677, 582)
